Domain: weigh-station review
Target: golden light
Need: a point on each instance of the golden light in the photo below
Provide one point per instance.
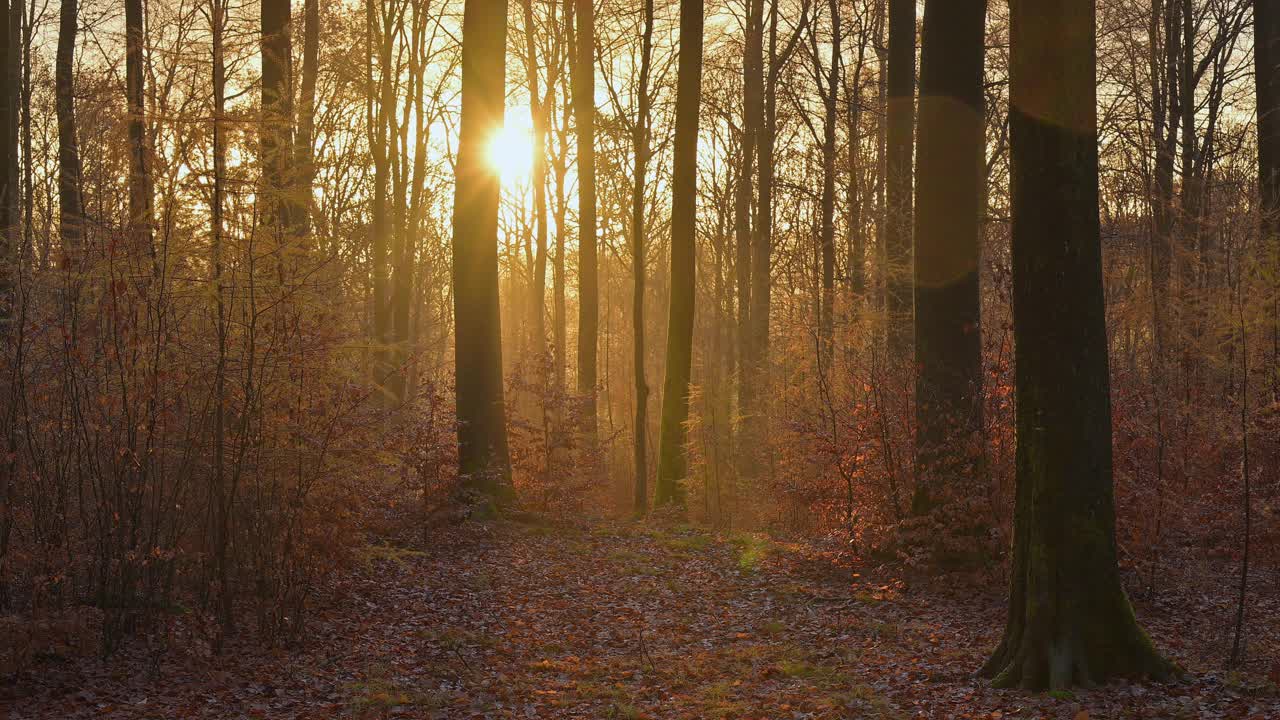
(510, 152)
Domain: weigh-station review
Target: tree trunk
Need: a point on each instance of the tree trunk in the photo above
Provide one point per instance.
(140, 216)
(483, 460)
(752, 118)
(672, 462)
(584, 106)
(857, 240)
(948, 242)
(378, 116)
(28, 162)
(559, 361)
(641, 152)
(1266, 29)
(762, 232)
(221, 499)
(900, 120)
(1070, 622)
(305, 141)
(829, 95)
(1166, 119)
(538, 111)
(11, 18)
(70, 201)
(882, 151)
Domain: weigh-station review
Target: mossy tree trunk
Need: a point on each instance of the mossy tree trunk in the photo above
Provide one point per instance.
(672, 462)
(948, 240)
(1070, 622)
(483, 460)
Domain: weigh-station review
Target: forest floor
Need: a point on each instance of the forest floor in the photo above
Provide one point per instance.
(617, 620)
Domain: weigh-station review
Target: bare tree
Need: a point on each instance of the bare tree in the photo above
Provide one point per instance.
(672, 458)
(483, 460)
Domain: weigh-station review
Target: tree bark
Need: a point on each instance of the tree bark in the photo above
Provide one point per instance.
(1070, 622)
(305, 140)
(857, 240)
(948, 242)
(584, 105)
(1266, 29)
(483, 460)
(538, 112)
(379, 108)
(11, 18)
(140, 195)
(70, 200)
(900, 121)
(221, 496)
(672, 461)
(752, 118)
(638, 270)
(829, 93)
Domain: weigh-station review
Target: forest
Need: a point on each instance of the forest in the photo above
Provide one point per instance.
(640, 359)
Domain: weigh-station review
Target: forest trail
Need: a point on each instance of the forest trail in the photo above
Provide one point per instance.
(508, 620)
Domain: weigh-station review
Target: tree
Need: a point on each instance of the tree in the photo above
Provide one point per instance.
(948, 241)
(140, 219)
(584, 108)
(828, 92)
(10, 187)
(70, 202)
(305, 139)
(1266, 33)
(752, 118)
(760, 296)
(672, 461)
(483, 460)
(221, 495)
(900, 122)
(1070, 622)
(854, 192)
(538, 109)
(640, 149)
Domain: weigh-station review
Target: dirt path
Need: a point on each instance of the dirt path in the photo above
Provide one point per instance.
(613, 621)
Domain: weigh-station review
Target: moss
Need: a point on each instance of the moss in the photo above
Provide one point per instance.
(752, 550)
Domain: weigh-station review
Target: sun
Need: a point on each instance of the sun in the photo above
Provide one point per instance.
(510, 152)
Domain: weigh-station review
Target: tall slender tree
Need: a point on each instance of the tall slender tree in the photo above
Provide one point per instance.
(219, 490)
(899, 142)
(757, 348)
(948, 241)
(584, 109)
(305, 139)
(140, 195)
(672, 460)
(1266, 43)
(10, 183)
(854, 191)
(1070, 621)
(483, 460)
(538, 108)
(752, 118)
(70, 202)
(640, 151)
(559, 313)
(276, 132)
(827, 82)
